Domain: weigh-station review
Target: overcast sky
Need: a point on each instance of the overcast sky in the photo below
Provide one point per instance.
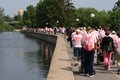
(11, 7)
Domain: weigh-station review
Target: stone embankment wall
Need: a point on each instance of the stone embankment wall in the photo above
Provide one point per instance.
(60, 67)
(42, 36)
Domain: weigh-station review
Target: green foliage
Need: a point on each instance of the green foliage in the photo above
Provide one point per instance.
(115, 19)
(29, 17)
(3, 22)
(50, 11)
(17, 17)
(47, 12)
(102, 18)
(69, 11)
(1, 16)
(83, 14)
(6, 27)
(115, 16)
(117, 5)
(7, 18)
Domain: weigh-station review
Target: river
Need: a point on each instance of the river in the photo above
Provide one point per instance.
(23, 57)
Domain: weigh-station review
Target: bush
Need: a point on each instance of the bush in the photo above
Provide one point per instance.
(6, 27)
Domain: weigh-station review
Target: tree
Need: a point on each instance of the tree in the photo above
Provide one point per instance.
(69, 10)
(29, 16)
(40, 10)
(115, 16)
(50, 11)
(1, 16)
(83, 14)
(103, 18)
(115, 19)
(117, 5)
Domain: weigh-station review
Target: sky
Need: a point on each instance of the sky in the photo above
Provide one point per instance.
(11, 7)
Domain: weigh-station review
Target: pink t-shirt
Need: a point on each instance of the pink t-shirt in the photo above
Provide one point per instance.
(89, 38)
(73, 33)
(114, 36)
(96, 33)
(101, 34)
(77, 40)
(117, 44)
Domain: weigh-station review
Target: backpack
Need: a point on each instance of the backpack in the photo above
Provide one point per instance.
(108, 44)
(88, 43)
(109, 48)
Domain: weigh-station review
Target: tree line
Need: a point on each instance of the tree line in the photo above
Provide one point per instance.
(58, 13)
(3, 25)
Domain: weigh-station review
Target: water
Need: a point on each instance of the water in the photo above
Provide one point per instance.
(23, 57)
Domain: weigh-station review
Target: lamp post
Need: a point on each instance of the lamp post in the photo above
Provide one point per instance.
(92, 16)
(77, 21)
(47, 24)
(57, 22)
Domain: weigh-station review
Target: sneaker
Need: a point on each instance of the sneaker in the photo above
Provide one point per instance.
(85, 74)
(73, 58)
(109, 68)
(75, 64)
(79, 63)
(118, 71)
(113, 63)
(94, 71)
(105, 67)
(91, 76)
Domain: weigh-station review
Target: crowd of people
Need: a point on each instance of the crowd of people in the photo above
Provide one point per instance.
(46, 30)
(88, 42)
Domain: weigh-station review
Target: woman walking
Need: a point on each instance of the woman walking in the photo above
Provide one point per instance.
(107, 47)
(77, 45)
(117, 48)
(88, 41)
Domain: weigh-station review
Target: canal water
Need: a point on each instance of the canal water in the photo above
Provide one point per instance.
(23, 57)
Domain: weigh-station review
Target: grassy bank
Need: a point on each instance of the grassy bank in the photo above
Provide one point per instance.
(6, 27)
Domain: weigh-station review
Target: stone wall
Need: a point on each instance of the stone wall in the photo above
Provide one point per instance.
(46, 37)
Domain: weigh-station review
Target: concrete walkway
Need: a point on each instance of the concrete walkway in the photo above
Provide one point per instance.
(101, 74)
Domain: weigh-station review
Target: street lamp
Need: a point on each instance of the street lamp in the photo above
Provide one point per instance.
(77, 21)
(57, 22)
(47, 24)
(92, 16)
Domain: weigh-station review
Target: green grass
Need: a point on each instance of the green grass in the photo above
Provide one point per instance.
(6, 27)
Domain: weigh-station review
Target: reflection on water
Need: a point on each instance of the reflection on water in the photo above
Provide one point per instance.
(23, 57)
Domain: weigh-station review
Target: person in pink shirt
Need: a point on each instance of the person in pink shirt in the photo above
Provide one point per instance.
(73, 33)
(76, 38)
(96, 33)
(101, 34)
(117, 48)
(107, 46)
(88, 41)
(114, 37)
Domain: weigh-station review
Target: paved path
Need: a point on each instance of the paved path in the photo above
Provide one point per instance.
(101, 74)
(60, 68)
